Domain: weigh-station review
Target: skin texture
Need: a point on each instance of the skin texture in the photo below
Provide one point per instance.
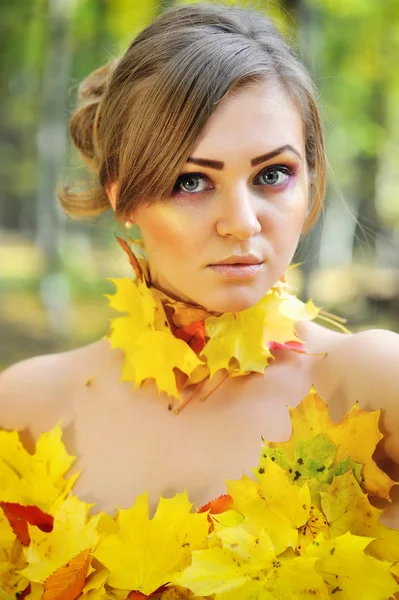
(240, 209)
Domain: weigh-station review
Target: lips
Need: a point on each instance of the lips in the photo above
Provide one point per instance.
(248, 259)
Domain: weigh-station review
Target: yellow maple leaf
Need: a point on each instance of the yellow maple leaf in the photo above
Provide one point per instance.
(135, 299)
(11, 560)
(144, 335)
(94, 585)
(145, 554)
(347, 508)
(34, 479)
(245, 566)
(348, 571)
(355, 437)
(316, 524)
(272, 503)
(240, 336)
(73, 532)
(294, 309)
(155, 354)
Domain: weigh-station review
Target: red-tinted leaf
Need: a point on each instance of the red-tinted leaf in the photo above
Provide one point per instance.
(25, 593)
(193, 334)
(68, 581)
(132, 259)
(218, 505)
(19, 516)
(294, 346)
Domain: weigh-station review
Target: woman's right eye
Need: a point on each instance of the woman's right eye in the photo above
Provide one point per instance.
(190, 183)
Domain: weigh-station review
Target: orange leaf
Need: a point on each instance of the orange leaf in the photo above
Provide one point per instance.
(218, 505)
(19, 516)
(67, 582)
(132, 259)
(193, 334)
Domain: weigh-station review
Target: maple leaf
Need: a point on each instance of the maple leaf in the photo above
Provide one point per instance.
(239, 336)
(11, 560)
(135, 299)
(35, 479)
(73, 532)
(94, 587)
(218, 505)
(315, 525)
(293, 308)
(348, 508)
(355, 439)
(346, 568)
(132, 259)
(272, 503)
(245, 566)
(313, 463)
(154, 356)
(150, 353)
(145, 554)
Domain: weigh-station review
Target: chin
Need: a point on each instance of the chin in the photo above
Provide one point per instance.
(235, 300)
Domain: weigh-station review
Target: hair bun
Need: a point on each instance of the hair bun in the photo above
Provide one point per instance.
(93, 87)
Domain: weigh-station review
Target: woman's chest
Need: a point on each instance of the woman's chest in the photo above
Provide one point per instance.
(128, 442)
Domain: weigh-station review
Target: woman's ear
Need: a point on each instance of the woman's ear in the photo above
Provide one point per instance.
(111, 193)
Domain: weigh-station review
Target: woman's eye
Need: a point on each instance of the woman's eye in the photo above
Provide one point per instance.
(190, 183)
(270, 176)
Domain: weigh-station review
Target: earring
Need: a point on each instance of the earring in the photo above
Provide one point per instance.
(128, 224)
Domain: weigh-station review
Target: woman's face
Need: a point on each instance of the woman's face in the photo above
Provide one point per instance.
(232, 199)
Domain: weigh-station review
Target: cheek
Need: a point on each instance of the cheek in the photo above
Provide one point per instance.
(288, 217)
(165, 232)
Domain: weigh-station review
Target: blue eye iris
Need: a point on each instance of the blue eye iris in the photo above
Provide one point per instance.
(191, 183)
(271, 176)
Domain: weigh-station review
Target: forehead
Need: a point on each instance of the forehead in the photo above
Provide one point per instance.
(250, 121)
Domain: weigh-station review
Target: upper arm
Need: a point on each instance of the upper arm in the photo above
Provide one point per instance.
(369, 362)
(29, 393)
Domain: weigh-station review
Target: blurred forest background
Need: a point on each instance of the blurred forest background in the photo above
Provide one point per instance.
(53, 270)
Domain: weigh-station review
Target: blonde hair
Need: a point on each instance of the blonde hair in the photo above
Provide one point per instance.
(140, 115)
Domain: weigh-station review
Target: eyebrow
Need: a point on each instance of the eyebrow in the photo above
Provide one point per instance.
(218, 164)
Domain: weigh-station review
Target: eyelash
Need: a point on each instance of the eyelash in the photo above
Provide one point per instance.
(186, 176)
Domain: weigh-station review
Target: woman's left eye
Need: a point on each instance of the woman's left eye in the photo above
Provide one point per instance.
(270, 175)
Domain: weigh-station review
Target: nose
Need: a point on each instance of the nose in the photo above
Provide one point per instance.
(238, 214)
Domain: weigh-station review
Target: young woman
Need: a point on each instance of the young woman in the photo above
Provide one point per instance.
(205, 135)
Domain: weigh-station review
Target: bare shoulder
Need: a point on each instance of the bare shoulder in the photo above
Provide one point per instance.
(36, 388)
(317, 338)
(363, 364)
(360, 368)
(367, 362)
